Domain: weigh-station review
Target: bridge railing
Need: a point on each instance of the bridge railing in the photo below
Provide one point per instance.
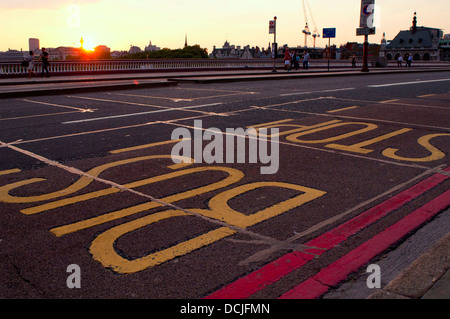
(11, 69)
(117, 66)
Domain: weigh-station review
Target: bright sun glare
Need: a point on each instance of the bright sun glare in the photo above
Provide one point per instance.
(88, 44)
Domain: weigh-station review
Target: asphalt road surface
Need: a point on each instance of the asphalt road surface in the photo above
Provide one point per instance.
(360, 163)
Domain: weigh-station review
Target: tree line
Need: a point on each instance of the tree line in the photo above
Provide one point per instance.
(189, 52)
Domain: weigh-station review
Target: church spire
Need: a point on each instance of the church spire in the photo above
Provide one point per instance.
(414, 26)
(185, 41)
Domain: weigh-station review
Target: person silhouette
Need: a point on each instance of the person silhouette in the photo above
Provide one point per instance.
(44, 58)
(30, 60)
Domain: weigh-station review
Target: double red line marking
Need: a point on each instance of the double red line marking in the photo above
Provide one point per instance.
(319, 284)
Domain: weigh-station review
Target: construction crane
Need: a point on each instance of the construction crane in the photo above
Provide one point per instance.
(315, 34)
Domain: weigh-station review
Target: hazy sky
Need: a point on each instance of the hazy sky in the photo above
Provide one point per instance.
(120, 23)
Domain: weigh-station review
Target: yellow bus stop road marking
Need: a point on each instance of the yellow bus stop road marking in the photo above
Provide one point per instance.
(344, 109)
(8, 172)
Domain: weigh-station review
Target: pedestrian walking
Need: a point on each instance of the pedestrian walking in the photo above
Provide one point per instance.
(306, 60)
(30, 60)
(354, 61)
(293, 56)
(44, 58)
(410, 58)
(400, 61)
(297, 62)
(287, 60)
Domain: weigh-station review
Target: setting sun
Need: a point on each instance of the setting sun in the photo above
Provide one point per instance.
(87, 44)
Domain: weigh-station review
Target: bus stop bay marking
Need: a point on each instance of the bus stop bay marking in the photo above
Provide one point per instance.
(102, 247)
(219, 212)
(293, 135)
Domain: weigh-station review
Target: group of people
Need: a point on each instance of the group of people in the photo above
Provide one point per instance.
(292, 60)
(408, 60)
(30, 60)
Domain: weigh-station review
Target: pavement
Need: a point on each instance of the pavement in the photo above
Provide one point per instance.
(425, 275)
(428, 277)
(22, 86)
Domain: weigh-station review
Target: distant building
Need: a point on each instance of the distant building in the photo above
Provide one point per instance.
(65, 52)
(34, 45)
(53, 54)
(102, 52)
(353, 48)
(444, 46)
(152, 48)
(12, 55)
(102, 49)
(134, 49)
(118, 54)
(420, 42)
(226, 52)
(246, 55)
(237, 52)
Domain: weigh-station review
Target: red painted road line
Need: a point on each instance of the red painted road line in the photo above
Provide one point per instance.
(272, 272)
(338, 271)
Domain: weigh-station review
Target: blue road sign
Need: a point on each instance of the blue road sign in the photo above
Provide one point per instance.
(329, 33)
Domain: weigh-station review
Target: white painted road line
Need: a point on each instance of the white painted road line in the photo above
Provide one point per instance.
(140, 113)
(59, 105)
(406, 83)
(324, 91)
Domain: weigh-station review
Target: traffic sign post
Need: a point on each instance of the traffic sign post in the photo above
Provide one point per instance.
(367, 14)
(273, 30)
(366, 28)
(329, 33)
(366, 54)
(272, 27)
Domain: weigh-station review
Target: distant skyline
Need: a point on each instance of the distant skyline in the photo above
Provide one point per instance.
(122, 23)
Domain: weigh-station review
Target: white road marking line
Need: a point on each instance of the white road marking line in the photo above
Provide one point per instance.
(406, 83)
(112, 101)
(324, 91)
(157, 106)
(152, 97)
(143, 113)
(109, 130)
(63, 106)
(176, 100)
(38, 115)
(215, 90)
